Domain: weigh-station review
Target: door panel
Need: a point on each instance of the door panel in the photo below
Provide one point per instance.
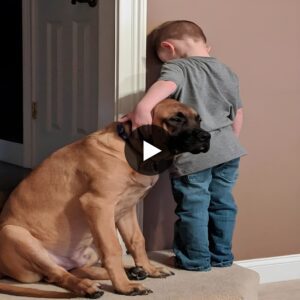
(66, 41)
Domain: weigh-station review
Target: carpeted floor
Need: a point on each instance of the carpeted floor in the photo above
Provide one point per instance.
(284, 290)
(233, 283)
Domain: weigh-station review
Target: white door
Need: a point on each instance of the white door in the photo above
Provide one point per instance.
(65, 41)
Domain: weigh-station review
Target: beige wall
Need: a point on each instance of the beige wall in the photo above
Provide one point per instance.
(260, 40)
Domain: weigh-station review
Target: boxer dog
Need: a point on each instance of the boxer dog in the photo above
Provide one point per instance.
(61, 219)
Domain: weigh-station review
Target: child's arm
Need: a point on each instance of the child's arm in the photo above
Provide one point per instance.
(141, 114)
(238, 122)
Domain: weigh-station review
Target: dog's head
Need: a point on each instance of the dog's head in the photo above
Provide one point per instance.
(183, 125)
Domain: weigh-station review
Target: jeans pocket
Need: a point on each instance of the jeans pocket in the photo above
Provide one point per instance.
(198, 177)
(228, 171)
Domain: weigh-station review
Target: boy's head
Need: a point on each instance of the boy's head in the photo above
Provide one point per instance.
(173, 39)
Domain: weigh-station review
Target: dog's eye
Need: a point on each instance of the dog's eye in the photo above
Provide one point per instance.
(197, 118)
(176, 119)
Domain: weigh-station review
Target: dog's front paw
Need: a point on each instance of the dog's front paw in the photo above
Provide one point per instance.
(136, 273)
(133, 289)
(160, 272)
(150, 271)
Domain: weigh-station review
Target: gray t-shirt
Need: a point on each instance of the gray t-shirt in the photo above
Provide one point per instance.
(212, 89)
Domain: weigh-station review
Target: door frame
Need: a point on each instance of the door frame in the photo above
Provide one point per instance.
(125, 76)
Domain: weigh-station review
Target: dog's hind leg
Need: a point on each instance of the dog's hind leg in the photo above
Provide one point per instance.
(91, 269)
(23, 258)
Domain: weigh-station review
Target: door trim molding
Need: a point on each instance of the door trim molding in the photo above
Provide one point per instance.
(131, 61)
(131, 41)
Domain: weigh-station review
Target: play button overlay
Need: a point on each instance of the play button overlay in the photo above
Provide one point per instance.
(149, 150)
(146, 150)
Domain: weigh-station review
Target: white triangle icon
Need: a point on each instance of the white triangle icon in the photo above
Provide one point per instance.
(149, 150)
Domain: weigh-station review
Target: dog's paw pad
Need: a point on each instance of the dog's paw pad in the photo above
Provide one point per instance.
(136, 273)
(137, 292)
(95, 295)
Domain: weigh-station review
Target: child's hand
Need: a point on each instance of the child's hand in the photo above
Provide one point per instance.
(138, 117)
(142, 113)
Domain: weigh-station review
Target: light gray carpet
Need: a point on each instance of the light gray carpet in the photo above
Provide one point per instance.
(284, 290)
(233, 283)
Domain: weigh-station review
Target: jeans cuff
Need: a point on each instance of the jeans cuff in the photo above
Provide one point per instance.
(221, 264)
(192, 268)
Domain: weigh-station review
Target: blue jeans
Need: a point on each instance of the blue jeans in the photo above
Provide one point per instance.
(206, 214)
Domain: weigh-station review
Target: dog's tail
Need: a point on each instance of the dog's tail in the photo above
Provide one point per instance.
(10, 289)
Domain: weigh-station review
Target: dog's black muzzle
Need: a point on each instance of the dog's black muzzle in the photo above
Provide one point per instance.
(192, 140)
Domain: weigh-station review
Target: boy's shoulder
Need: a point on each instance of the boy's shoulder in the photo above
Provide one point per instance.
(197, 60)
(200, 62)
(177, 61)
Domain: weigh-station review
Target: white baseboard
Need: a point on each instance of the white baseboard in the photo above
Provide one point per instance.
(274, 269)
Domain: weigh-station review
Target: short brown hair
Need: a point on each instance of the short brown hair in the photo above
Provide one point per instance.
(176, 30)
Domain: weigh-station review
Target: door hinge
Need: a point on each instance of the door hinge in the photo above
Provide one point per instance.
(34, 110)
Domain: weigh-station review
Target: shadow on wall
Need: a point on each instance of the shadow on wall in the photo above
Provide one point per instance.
(159, 205)
(159, 216)
(153, 64)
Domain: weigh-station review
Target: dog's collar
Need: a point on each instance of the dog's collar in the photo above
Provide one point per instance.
(122, 132)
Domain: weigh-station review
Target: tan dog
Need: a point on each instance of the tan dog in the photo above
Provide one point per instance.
(62, 218)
